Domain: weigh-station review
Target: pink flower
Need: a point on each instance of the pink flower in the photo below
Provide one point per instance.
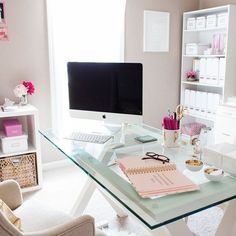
(191, 74)
(26, 87)
(30, 87)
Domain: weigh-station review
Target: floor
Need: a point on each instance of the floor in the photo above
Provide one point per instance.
(62, 186)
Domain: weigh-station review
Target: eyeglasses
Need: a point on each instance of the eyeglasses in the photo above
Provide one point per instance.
(155, 156)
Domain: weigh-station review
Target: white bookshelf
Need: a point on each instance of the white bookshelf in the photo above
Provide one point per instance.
(224, 87)
(28, 117)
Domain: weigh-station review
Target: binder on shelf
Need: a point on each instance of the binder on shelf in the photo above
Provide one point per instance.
(215, 71)
(186, 98)
(192, 101)
(198, 103)
(210, 102)
(208, 70)
(202, 72)
(221, 77)
(203, 103)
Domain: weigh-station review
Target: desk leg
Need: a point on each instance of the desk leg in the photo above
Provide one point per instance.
(228, 221)
(120, 213)
(84, 198)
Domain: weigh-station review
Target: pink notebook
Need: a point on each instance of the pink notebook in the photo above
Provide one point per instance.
(152, 178)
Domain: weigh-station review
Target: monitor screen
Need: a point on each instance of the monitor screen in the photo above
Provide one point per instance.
(106, 87)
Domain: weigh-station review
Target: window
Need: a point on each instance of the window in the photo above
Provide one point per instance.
(81, 30)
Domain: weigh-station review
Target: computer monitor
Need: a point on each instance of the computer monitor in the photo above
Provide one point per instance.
(112, 92)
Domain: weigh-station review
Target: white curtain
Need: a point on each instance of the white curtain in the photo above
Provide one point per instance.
(81, 30)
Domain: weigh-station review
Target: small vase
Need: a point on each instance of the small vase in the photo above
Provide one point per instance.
(24, 100)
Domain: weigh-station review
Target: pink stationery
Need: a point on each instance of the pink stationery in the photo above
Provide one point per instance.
(152, 178)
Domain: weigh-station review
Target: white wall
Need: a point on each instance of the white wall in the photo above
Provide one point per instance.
(25, 57)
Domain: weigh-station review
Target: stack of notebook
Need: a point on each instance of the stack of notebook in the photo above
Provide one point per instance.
(152, 178)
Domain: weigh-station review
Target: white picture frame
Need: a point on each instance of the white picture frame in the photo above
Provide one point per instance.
(156, 31)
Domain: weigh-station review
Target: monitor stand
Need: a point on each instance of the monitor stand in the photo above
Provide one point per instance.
(121, 140)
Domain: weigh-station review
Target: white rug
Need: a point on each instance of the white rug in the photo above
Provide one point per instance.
(62, 186)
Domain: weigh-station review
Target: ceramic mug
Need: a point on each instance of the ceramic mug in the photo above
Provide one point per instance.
(171, 138)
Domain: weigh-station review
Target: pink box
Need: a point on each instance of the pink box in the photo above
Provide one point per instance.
(12, 127)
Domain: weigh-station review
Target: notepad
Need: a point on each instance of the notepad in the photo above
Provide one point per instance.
(152, 178)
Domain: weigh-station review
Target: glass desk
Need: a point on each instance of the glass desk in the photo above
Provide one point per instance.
(98, 162)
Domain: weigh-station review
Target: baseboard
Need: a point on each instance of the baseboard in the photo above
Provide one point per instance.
(55, 164)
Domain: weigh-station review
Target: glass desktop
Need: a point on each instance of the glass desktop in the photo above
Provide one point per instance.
(98, 162)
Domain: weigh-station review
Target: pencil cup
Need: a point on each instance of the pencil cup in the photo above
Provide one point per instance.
(171, 138)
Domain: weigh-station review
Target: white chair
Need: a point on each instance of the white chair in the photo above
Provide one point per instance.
(40, 220)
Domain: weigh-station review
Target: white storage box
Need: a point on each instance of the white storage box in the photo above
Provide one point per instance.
(222, 20)
(201, 22)
(214, 154)
(195, 49)
(229, 162)
(211, 21)
(14, 144)
(191, 23)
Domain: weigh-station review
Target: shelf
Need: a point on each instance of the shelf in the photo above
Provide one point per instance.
(18, 111)
(213, 10)
(30, 149)
(205, 56)
(206, 29)
(200, 84)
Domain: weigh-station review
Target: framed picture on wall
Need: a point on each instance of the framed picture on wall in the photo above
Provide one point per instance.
(156, 31)
(3, 25)
(2, 13)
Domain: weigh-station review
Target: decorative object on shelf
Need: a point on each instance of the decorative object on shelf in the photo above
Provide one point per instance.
(191, 75)
(23, 90)
(8, 102)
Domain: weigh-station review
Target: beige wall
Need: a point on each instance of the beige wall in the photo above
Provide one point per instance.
(214, 3)
(161, 70)
(25, 57)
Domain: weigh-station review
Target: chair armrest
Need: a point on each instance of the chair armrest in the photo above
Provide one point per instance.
(10, 193)
(81, 226)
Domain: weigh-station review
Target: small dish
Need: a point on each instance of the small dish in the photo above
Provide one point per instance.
(214, 174)
(194, 164)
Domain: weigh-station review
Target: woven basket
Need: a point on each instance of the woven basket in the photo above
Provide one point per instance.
(21, 168)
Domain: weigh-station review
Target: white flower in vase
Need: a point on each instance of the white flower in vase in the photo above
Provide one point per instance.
(20, 90)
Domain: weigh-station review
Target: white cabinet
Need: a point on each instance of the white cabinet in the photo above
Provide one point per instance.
(208, 47)
(24, 166)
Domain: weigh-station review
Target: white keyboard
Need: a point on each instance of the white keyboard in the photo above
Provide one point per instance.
(89, 138)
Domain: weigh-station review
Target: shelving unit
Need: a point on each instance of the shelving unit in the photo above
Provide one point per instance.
(221, 88)
(28, 117)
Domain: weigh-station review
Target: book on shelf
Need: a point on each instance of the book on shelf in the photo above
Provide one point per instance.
(152, 178)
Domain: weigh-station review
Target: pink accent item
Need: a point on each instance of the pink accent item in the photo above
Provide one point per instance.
(12, 127)
(192, 129)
